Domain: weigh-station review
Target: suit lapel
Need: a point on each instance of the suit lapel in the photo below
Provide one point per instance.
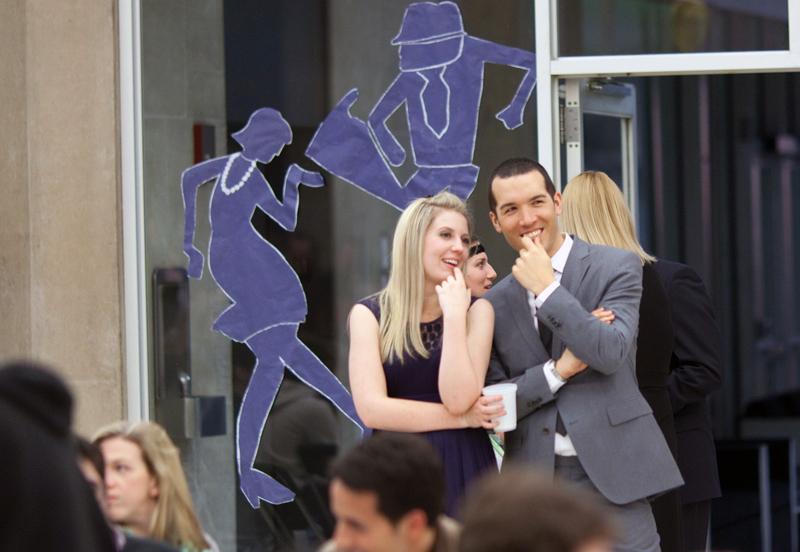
(574, 271)
(521, 311)
(576, 266)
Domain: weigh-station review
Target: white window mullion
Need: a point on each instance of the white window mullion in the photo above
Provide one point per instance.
(134, 278)
(677, 64)
(794, 27)
(546, 114)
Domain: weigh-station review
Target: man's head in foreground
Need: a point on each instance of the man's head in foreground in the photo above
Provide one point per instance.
(387, 494)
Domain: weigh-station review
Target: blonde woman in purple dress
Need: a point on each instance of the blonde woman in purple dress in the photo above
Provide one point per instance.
(419, 349)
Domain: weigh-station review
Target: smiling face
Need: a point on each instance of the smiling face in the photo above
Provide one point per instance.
(524, 208)
(445, 245)
(131, 490)
(479, 274)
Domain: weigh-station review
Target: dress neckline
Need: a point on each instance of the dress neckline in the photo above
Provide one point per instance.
(439, 319)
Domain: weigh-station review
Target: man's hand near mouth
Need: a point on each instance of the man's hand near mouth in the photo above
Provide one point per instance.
(533, 268)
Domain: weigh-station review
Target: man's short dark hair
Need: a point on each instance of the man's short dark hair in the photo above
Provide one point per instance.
(515, 167)
(90, 452)
(520, 510)
(402, 469)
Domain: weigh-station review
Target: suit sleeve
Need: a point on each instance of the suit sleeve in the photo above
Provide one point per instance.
(697, 372)
(533, 390)
(602, 346)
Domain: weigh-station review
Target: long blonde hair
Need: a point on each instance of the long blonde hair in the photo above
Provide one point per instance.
(174, 519)
(401, 299)
(593, 208)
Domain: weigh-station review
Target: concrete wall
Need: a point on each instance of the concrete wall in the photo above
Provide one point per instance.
(15, 291)
(60, 236)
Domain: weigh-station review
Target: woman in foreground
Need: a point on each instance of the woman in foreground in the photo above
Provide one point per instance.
(146, 490)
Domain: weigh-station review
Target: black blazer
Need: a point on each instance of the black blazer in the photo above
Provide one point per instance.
(653, 353)
(696, 373)
(654, 350)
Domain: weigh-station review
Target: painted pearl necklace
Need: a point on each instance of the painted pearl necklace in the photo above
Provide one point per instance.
(242, 181)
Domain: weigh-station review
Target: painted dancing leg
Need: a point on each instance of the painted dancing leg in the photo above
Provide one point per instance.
(257, 402)
(310, 369)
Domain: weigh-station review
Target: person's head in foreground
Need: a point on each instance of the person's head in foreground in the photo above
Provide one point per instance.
(146, 490)
(387, 493)
(479, 275)
(594, 209)
(522, 511)
(45, 502)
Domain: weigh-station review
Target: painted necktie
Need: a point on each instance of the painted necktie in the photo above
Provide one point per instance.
(436, 101)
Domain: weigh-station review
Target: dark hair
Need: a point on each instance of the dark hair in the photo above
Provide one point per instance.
(92, 453)
(402, 469)
(515, 167)
(475, 248)
(521, 510)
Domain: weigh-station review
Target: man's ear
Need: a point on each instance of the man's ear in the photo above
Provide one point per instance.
(557, 202)
(413, 523)
(495, 222)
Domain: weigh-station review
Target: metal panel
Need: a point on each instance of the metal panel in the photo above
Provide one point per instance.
(573, 127)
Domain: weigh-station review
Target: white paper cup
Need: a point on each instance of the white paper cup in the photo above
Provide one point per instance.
(509, 393)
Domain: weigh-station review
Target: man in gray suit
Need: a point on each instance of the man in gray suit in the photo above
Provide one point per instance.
(580, 412)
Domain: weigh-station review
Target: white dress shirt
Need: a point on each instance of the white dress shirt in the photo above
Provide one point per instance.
(563, 446)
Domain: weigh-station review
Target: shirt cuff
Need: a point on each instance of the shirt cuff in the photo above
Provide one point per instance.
(552, 380)
(542, 297)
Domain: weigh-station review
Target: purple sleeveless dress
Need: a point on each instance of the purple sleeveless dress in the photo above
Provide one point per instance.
(466, 453)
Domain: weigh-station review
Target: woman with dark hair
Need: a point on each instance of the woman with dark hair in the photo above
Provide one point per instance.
(479, 275)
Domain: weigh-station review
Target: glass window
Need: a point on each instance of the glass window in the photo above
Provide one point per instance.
(603, 143)
(621, 27)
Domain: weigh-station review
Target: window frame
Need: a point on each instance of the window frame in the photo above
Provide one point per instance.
(550, 68)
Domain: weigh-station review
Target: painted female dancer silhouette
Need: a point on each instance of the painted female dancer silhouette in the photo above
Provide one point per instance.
(268, 302)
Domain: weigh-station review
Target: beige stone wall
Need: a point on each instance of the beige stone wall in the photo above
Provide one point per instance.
(61, 265)
(15, 293)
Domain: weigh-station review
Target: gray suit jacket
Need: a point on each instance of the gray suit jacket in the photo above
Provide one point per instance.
(611, 425)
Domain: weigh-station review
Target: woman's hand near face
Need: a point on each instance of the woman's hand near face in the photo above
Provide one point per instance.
(454, 296)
